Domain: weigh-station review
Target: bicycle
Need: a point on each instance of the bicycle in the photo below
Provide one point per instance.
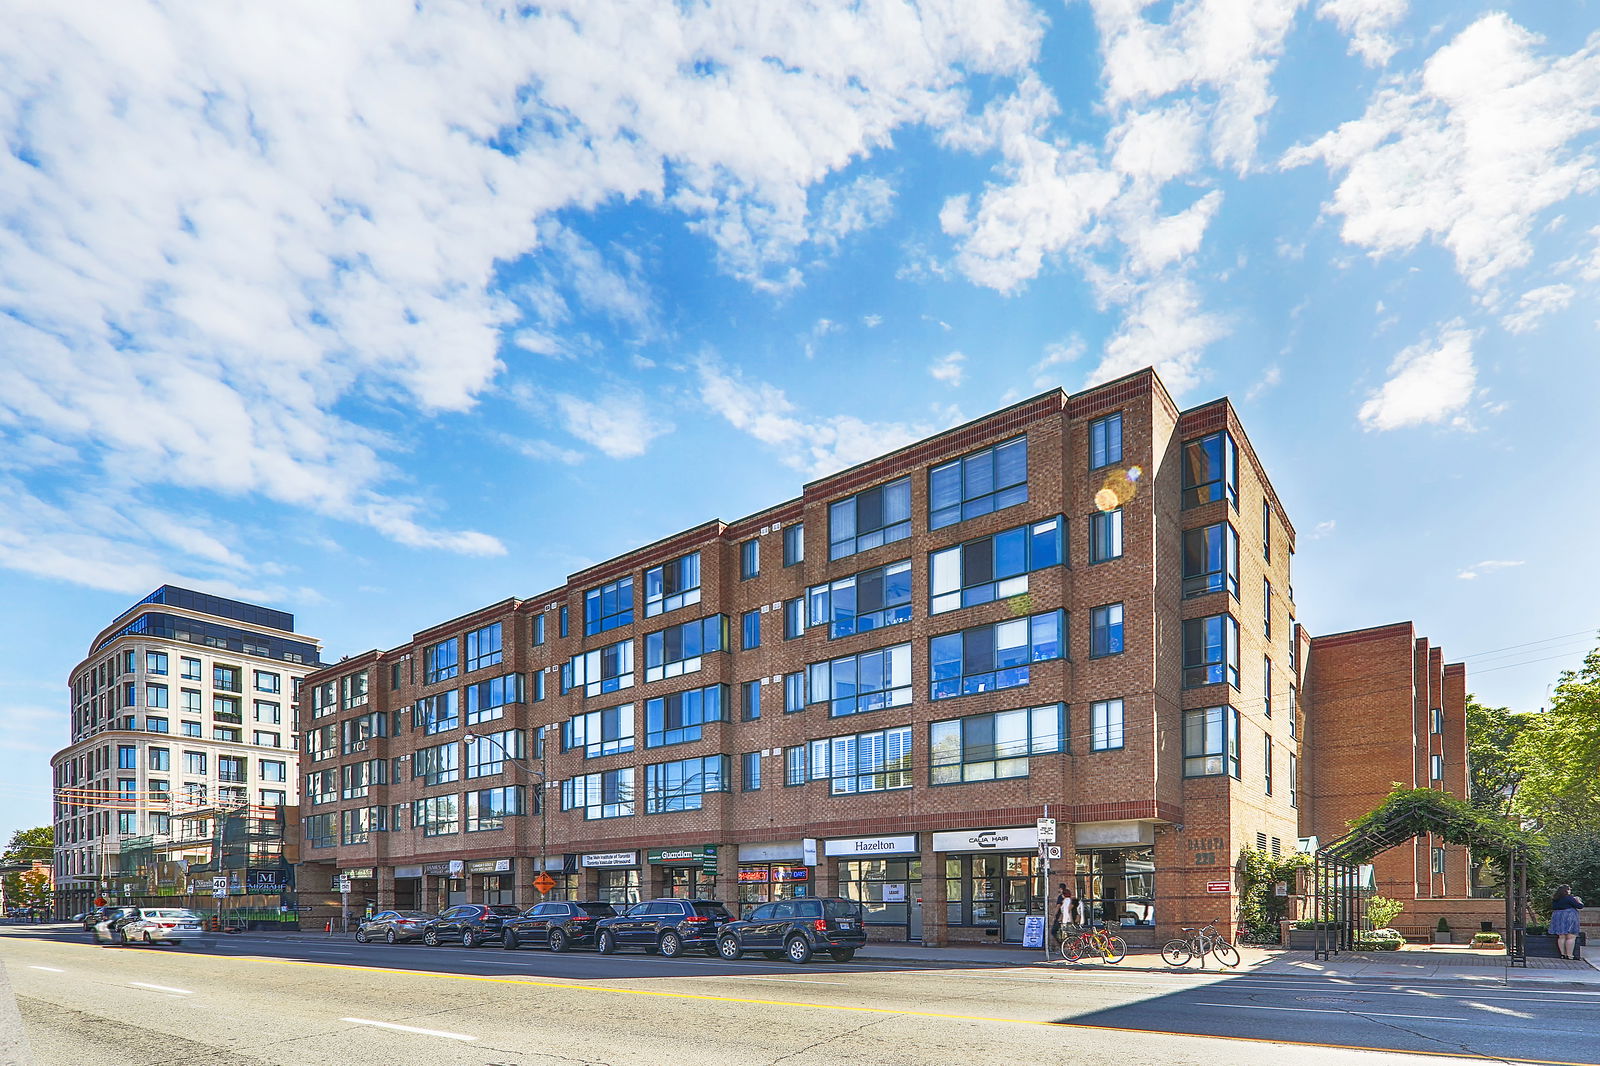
(1199, 944)
(1090, 939)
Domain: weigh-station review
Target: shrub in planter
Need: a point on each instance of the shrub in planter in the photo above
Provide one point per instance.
(1380, 940)
(1486, 938)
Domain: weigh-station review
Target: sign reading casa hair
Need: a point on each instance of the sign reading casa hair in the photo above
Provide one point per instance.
(1022, 838)
(856, 846)
(611, 858)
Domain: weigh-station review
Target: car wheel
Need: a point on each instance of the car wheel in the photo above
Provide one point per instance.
(843, 954)
(362, 937)
(558, 941)
(671, 945)
(122, 937)
(431, 938)
(608, 943)
(728, 947)
(798, 949)
(509, 941)
(148, 942)
(391, 937)
(469, 939)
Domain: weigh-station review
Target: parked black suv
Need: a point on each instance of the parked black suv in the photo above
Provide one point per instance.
(557, 925)
(470, 923)
(665, 925)
(798, 928)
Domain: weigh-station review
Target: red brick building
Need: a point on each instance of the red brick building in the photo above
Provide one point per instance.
(874, 689)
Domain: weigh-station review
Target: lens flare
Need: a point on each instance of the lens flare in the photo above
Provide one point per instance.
(1119, 487)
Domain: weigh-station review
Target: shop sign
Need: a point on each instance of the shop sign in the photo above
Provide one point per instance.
(489, 866)
(790, 873)
(854, 846)
(264, 881)
(1219, 887)
(752, 875)
(441, 869)
(1022, 838)
(367, 873)
(783, 851)
(611, 858)
(408, 871)
(894, 891)
(676, 856)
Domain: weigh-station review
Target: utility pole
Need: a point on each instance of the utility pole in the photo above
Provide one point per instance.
(539, 795)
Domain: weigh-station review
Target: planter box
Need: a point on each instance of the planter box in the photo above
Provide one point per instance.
(1306, 939)
(1486, 947)
(1543, 946)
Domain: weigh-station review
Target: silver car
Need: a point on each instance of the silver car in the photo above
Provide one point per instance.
(152, 925)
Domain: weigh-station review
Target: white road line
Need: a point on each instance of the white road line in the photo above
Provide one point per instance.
(50, 969)
(1324, 1010)
(783, 980)
(163, 988)
(409, 1029)
(309, 951)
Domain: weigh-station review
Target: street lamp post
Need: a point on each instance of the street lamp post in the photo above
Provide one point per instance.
(539, 797)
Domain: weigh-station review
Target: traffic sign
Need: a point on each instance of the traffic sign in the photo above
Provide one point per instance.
(219, 884)
(544, 882)
(1220, 887)
(344, 886)
(1047, 830)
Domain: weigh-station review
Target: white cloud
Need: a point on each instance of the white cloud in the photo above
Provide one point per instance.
(1058, 354)
(1167, 329)
(816, 446)
(1468, 153)
(862, 204)
(949, 369)
(1488, 566)
(1367, 22)
(1270, 379)
(872, 321)
(1323, 529)
(1535, 304)
(619, 424)
(1429, 382)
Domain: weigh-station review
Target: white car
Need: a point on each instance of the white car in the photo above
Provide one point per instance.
(152, 925)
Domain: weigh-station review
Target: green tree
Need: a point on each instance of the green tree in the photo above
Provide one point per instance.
(1491, 738)
(30, 844)
(1558, 755)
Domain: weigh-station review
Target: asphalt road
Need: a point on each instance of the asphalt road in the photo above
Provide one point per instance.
(250, 1001)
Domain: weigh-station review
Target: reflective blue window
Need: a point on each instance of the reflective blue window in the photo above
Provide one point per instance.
(672, 585)
(862, 602)
(677, 718)
(992, 657)
(678, 649)
(978, 484)
(1105, 441)
(856, 684)
(880, 515)
(608, 606)
(681, 786)
(994, 567)
(1105, 630)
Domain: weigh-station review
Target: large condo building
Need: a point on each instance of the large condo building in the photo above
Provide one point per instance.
(183, 761)
(1081, 602)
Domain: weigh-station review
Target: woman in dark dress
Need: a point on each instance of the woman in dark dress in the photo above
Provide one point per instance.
(1564, 921)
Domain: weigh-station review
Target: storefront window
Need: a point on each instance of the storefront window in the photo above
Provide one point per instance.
(497, 888)
(763, 882)
(992, 891)
(885, 887)
(687, 882)
(619, 886)
(1119, 884)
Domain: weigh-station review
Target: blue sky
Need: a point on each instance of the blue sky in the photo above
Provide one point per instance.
(378, 315)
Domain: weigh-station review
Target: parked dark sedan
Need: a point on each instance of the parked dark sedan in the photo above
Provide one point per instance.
(798, 928)
(665, 925)
(558, 925)
(470, 923)
(393, 926)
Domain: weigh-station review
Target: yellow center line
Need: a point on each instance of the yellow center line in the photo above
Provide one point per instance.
(897, 1012)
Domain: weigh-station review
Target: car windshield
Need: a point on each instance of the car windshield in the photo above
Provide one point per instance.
(711, 909)
(598, 910)
(415, 914)
(170, 912)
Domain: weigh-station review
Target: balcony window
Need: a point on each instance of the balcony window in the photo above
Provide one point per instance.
(608, 669)
(989, 747)
(978, 484)
(1211, 560)
(860, 603)
(597, 733)
(1211, 470)
(857, 684)
(484, 648)
(677, 718)
(608, 607)
(994, 567)
(672, 585)
(679, 649)
(1211, 651)
(992, 657)
(1211, 742)
(877, 516)
(682, 785)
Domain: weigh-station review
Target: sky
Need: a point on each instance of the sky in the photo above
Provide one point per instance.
(381, 312)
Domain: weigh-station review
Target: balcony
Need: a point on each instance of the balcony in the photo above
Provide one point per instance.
(235, 776)
(228, 717)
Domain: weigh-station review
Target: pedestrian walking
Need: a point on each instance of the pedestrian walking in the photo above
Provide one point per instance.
(1564, 921)
(1063, 910)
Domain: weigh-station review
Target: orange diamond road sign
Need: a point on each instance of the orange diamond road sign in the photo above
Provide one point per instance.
(544, 882)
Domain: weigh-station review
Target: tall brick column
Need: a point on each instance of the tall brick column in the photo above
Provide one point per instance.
(931, 891)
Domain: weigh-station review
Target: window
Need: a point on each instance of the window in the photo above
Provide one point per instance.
(750, 771)
(357, 826)
(1105, 441)
(677, 718)
(1436, 768)
(437, 765)
(1436, 720)
(750, 630)
(356, 779)
(1211, 560)
(227, 678)
(605, 795)
(1437, 860)
(672, 585)
(750, 700)
(438, 815)
(978, 484)
(192, 729)
(680, 786)
(322, 742)
(189, 701)
(749, 559)
(538, 629)
(1211, 742)
(130, 694)
(607, 669)
(1105, 535)
(435, 714)
(1105, 725)
(324, 699)
(991, 657)
(127, 823)
(487, 700)
(1266, 687)
(194, 762)
(356, 733)
(988, 747)
(226, 709)
(1266, 608)
(130, 659)
(128, 757)
(267, 682)
(676, 651)
(268, 713)
(1294, 780)
(794, 617)
(272, 797)
(856, 684)
(155, 725)
(1211, 470)
(794, 544)
(861, 762)
(872, 599)
(155, 662)
(160, 759)
(273, 770)
(880, 515)
(439, 662)
(994, 567)
(319, 832)
(191, 669)
(1210, 651)
(1266, 761)
(561, 620)
(489, 808)
(1292, 715)
(231, 768)
(597, 733)
(794, 692)
(486, 754)
(606, 607)
(194, 794)
(484, 648)
(1105, 630)
(1266, 529)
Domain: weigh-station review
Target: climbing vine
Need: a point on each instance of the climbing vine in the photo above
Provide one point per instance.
(1260, 907)
(1406, 812)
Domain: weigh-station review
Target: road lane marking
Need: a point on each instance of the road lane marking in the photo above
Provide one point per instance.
(891, 1012)
(784, 980)
(409, 1029)
(50, 969)
(1329, 1010)
(163, 988)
